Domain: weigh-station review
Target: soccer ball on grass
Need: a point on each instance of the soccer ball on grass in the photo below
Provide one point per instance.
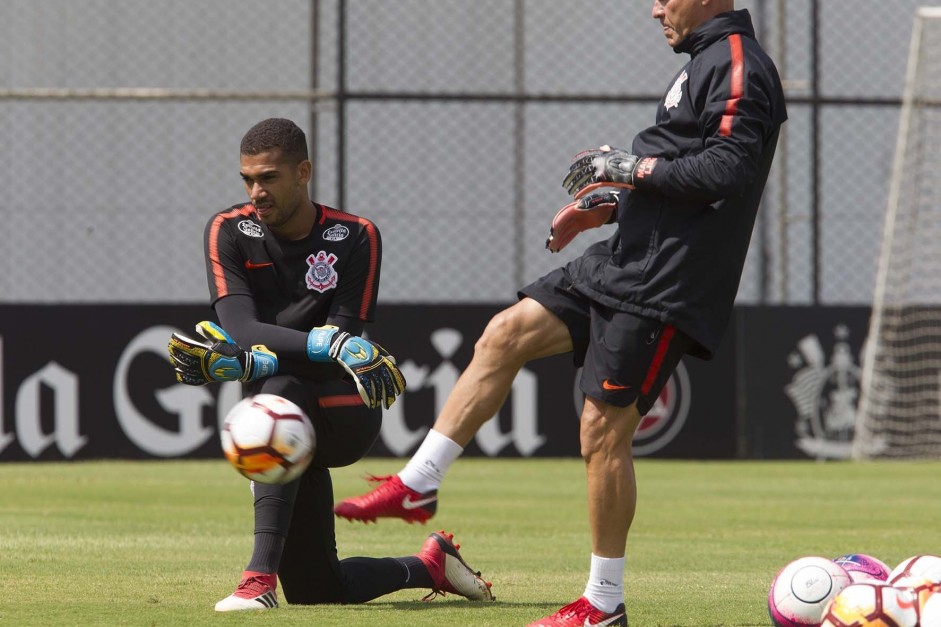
(872, 605)
(931, 611)
(864, 568)
(925, 590)
(268, 439)
(916, 568)
(801, 590)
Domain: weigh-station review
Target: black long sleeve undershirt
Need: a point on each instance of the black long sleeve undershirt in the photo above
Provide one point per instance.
(239, 317)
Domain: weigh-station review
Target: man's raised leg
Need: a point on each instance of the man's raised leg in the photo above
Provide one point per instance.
(516, 335)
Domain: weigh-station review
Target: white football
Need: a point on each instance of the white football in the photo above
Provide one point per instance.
(924, 590)
(268, 439)
(916, 568)
(931, 611)
(802, 589)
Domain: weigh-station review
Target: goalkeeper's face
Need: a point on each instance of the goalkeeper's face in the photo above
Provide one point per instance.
(681, 17)
(277, 186)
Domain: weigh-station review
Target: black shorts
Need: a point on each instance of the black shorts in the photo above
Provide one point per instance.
(624, 357)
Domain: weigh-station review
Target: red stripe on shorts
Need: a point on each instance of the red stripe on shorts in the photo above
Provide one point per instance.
(662, 346)
(341, 400)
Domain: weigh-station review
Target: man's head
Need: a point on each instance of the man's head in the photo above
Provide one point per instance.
(276, 134)
(275, 170)
(681, 17)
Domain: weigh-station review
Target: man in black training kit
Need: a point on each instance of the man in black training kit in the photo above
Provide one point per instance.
(631, 306)
(297, 282)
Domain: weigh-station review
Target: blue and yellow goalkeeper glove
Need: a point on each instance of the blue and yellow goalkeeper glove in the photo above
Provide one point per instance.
(219, 358)
(373, 369)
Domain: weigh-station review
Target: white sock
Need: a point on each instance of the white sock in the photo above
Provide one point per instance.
(425, 471)
(605, 589)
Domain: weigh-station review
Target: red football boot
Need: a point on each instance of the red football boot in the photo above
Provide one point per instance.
(390, 499)
(582, 613)
(256, 591)
(449, 571)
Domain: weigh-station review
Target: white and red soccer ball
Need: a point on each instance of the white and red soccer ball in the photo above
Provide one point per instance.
(931, 611)
(922, 575)
(916, 568)
(802, 589)
(268, 439)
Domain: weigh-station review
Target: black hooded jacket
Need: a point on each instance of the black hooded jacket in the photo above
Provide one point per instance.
(684, 231)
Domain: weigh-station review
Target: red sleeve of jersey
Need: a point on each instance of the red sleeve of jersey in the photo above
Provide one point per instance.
(371, 284)
(356, 294)
(223, 259)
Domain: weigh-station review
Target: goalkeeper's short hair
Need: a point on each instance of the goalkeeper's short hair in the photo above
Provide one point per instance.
(275, 134)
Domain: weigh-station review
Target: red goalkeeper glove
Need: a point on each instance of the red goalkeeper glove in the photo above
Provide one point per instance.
(588, 212)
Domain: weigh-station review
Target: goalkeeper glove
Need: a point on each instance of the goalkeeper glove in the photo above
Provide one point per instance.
(606, 167)
(373, 369)
(219, 358)
(588, 212)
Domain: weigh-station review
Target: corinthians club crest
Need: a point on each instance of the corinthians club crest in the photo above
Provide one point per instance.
(825, 396)
(676, 92)
(321, 276)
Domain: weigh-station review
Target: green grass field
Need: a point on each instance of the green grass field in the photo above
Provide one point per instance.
(158, 543)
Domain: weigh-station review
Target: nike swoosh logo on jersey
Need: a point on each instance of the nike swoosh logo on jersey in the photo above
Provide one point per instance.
(254, 266)
(606, 621)
(606, 384)
(408, 503)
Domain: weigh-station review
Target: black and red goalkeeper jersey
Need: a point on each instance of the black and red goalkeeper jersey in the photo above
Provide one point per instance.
(334, 271)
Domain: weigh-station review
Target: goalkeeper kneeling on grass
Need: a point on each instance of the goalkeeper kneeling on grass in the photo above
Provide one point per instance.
(296, 282)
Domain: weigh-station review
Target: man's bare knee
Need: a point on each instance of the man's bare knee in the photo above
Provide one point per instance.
(606, 429)
(501, 336)
(598, 435)
(521, 333)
